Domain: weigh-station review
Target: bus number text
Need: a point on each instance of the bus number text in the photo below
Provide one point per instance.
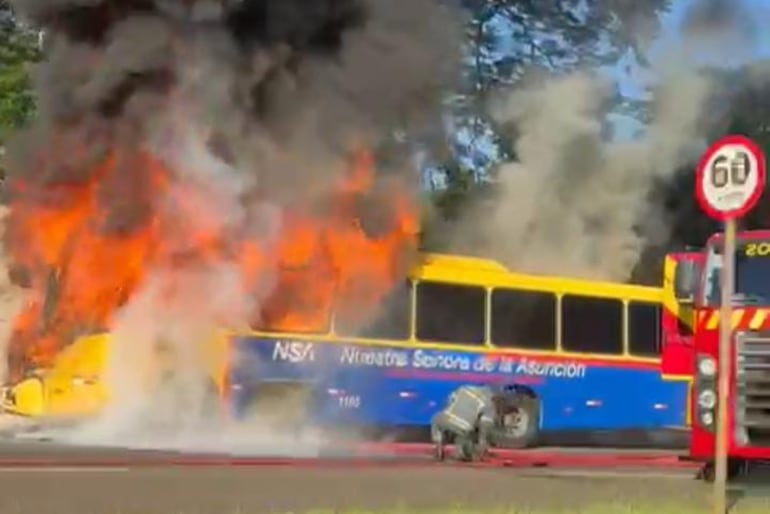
(349, 401)
(757, 249)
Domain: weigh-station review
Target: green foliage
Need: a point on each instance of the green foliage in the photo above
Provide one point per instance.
(18, 48)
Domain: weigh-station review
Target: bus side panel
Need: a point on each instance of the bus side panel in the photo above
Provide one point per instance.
(613, 396)
(407, 386)
(340, 393)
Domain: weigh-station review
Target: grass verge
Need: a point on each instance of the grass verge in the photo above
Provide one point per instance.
(611, 508)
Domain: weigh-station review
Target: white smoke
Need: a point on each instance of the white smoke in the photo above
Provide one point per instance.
(11, 300)
(164, 352)
(575, 203)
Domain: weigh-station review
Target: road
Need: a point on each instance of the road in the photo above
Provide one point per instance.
(57, 479)
(226, 490)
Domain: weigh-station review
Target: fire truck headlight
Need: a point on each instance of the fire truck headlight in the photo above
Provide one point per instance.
(707, 399)
(707, 367)
(707, 418)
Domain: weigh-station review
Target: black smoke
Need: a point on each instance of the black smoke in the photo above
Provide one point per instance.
(284, 88)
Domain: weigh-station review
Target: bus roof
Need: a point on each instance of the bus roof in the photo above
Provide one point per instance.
(741, 234)
(464, 270)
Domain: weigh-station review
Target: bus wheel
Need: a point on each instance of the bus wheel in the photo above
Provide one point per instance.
(519, 424)
(734, 469)
(706, 472)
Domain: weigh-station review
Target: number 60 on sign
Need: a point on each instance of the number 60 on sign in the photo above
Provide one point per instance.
(730, 177)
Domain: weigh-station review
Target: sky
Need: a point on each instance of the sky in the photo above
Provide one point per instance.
(748, 40)
(745, 39)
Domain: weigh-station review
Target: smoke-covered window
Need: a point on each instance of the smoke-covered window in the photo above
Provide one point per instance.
(297, 307)
(524, 319)
(644, 329)
(592, 325)
(450, 314)
(390, 320)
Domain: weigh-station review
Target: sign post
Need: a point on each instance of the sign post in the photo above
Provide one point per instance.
(729, 180)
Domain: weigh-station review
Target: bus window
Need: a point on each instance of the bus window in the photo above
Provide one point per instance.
(390, 320)
(451, 314)
(524, 319)
(644, 329)
(592, 325)
(295, 307)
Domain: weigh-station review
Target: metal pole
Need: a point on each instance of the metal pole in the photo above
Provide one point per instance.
(725, 333)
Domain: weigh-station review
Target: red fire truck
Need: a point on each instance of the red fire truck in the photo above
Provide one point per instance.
(697, 285)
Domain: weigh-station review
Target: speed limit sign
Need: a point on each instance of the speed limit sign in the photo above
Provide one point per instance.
(730, 177)
(728, 183)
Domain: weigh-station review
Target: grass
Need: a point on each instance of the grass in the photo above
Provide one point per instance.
(618, 508)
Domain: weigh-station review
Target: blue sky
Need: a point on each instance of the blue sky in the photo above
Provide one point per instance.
(750, 42)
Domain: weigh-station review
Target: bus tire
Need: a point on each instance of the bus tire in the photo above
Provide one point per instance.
(519, 426)
(735, 468)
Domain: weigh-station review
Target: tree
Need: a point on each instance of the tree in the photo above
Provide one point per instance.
(507, 38)
(19, 46)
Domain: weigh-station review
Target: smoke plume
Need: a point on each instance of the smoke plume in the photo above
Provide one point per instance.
(573, 203)
(255, 107)
(11, 297)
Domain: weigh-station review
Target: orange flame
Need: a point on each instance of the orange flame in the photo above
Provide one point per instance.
(81, 267)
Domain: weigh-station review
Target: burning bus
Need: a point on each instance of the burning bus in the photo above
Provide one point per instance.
(590, 357)
(150, 206)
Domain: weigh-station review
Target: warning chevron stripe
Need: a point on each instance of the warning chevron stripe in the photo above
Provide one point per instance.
(744, 318)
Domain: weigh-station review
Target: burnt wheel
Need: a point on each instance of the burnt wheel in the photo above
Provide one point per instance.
(734, 469)
(518, 425)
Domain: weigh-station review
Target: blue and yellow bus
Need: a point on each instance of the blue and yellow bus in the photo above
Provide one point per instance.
(587, 353)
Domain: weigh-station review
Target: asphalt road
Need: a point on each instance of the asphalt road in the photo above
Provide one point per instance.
(101, 480)
(259, 490)
(136, 483)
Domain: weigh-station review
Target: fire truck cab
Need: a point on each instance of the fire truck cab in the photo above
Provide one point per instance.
(697, 285)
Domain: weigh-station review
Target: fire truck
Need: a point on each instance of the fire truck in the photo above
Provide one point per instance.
(697, 287)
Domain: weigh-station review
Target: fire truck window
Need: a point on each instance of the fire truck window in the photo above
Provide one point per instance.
(592, 325)
(390, 320)
(644, 329)
(682, 328)
(450, 314)
(524, 319)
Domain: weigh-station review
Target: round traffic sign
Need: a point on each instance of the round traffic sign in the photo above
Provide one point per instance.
(730, 177)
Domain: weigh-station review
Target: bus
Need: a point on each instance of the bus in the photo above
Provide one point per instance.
(591, 356)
